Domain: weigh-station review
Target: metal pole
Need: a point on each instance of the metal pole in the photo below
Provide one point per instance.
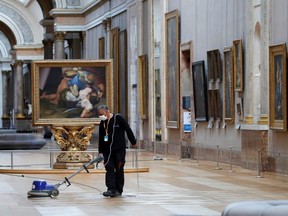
(218, 168)
(230, 159)
(166, 148)
(197, 154)
(136, 158)
(11, 160)
(133, 159)
(51, 159)
(259, 164)
(155, 149)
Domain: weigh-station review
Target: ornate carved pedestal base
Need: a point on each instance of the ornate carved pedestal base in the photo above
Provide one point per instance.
(72, 160)
(73, 141)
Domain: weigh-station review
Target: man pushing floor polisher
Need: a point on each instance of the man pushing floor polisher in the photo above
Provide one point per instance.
(40, 188)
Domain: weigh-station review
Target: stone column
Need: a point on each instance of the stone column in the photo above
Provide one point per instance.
(5, 75)
(48, 48)
(48, 25)
(18, 89)
(59, 45)
(264, 64)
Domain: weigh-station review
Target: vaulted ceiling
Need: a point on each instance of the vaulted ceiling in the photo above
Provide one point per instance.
(12, 33)
(46, 6)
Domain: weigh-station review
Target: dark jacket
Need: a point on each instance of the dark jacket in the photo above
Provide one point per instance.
(118, 134)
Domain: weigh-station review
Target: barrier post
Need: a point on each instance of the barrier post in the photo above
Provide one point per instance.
(166, 150)
(230, 159)
(259, 164)
(133, 159)
(51, 159)
(12, 164)
(197, 154)
(217, 167)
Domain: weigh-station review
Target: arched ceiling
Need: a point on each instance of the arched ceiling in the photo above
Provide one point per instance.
(8, 32)
(10, 35)
(46, 6)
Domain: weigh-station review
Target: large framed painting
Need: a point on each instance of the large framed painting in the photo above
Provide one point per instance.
(70, 91)
(214, 66)
(210, 58)
(143, 86)
(278, 87)
(172, 69)
(211, 104)
(200, 91)
(214, 104)
(123, 75)
(228, 90)
(238, 65)
(114, 54)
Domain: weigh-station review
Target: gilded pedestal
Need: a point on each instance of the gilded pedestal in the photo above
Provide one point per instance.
(73, 141)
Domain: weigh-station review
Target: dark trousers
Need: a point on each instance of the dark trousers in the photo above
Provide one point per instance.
(114, 166)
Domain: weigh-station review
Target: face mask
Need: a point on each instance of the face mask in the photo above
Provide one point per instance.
(103, 117)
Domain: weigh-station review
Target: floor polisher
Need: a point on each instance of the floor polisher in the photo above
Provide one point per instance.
(40, 188)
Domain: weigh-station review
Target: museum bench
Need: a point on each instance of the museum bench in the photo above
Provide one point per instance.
(257, 208)
(21, 141)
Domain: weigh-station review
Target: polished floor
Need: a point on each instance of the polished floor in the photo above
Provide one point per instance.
(171, 187)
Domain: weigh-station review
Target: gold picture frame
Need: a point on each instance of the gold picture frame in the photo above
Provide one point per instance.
(214, 104)
(278, 87)
(143, 86)
(114, 54)
(123, 75)
(101, 48)
(68, 92)
(238, 65)
(172, 69)
(228, 87)
(214, 66)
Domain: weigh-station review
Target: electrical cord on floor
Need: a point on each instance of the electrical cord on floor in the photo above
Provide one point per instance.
(137, 171)
(51, 179)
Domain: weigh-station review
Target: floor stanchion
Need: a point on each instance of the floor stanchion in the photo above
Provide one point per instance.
(217, 167)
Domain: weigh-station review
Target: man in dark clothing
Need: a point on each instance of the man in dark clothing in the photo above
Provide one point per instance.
(112, 145)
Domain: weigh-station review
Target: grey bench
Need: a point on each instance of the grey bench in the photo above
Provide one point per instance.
(21, 141)
(257, 208)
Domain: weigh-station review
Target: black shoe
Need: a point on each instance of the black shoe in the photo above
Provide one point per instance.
(110, 193)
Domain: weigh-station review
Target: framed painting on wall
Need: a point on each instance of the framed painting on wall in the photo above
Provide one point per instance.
(70, 91)
(228, 91)
(101, 46)
(143, 86)
(211, 69)
(214, 104)
(278, 87)
(200, 91)
(114, 54)
(238, 65)
(172, 69)
(214, 66)
(123, 75)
